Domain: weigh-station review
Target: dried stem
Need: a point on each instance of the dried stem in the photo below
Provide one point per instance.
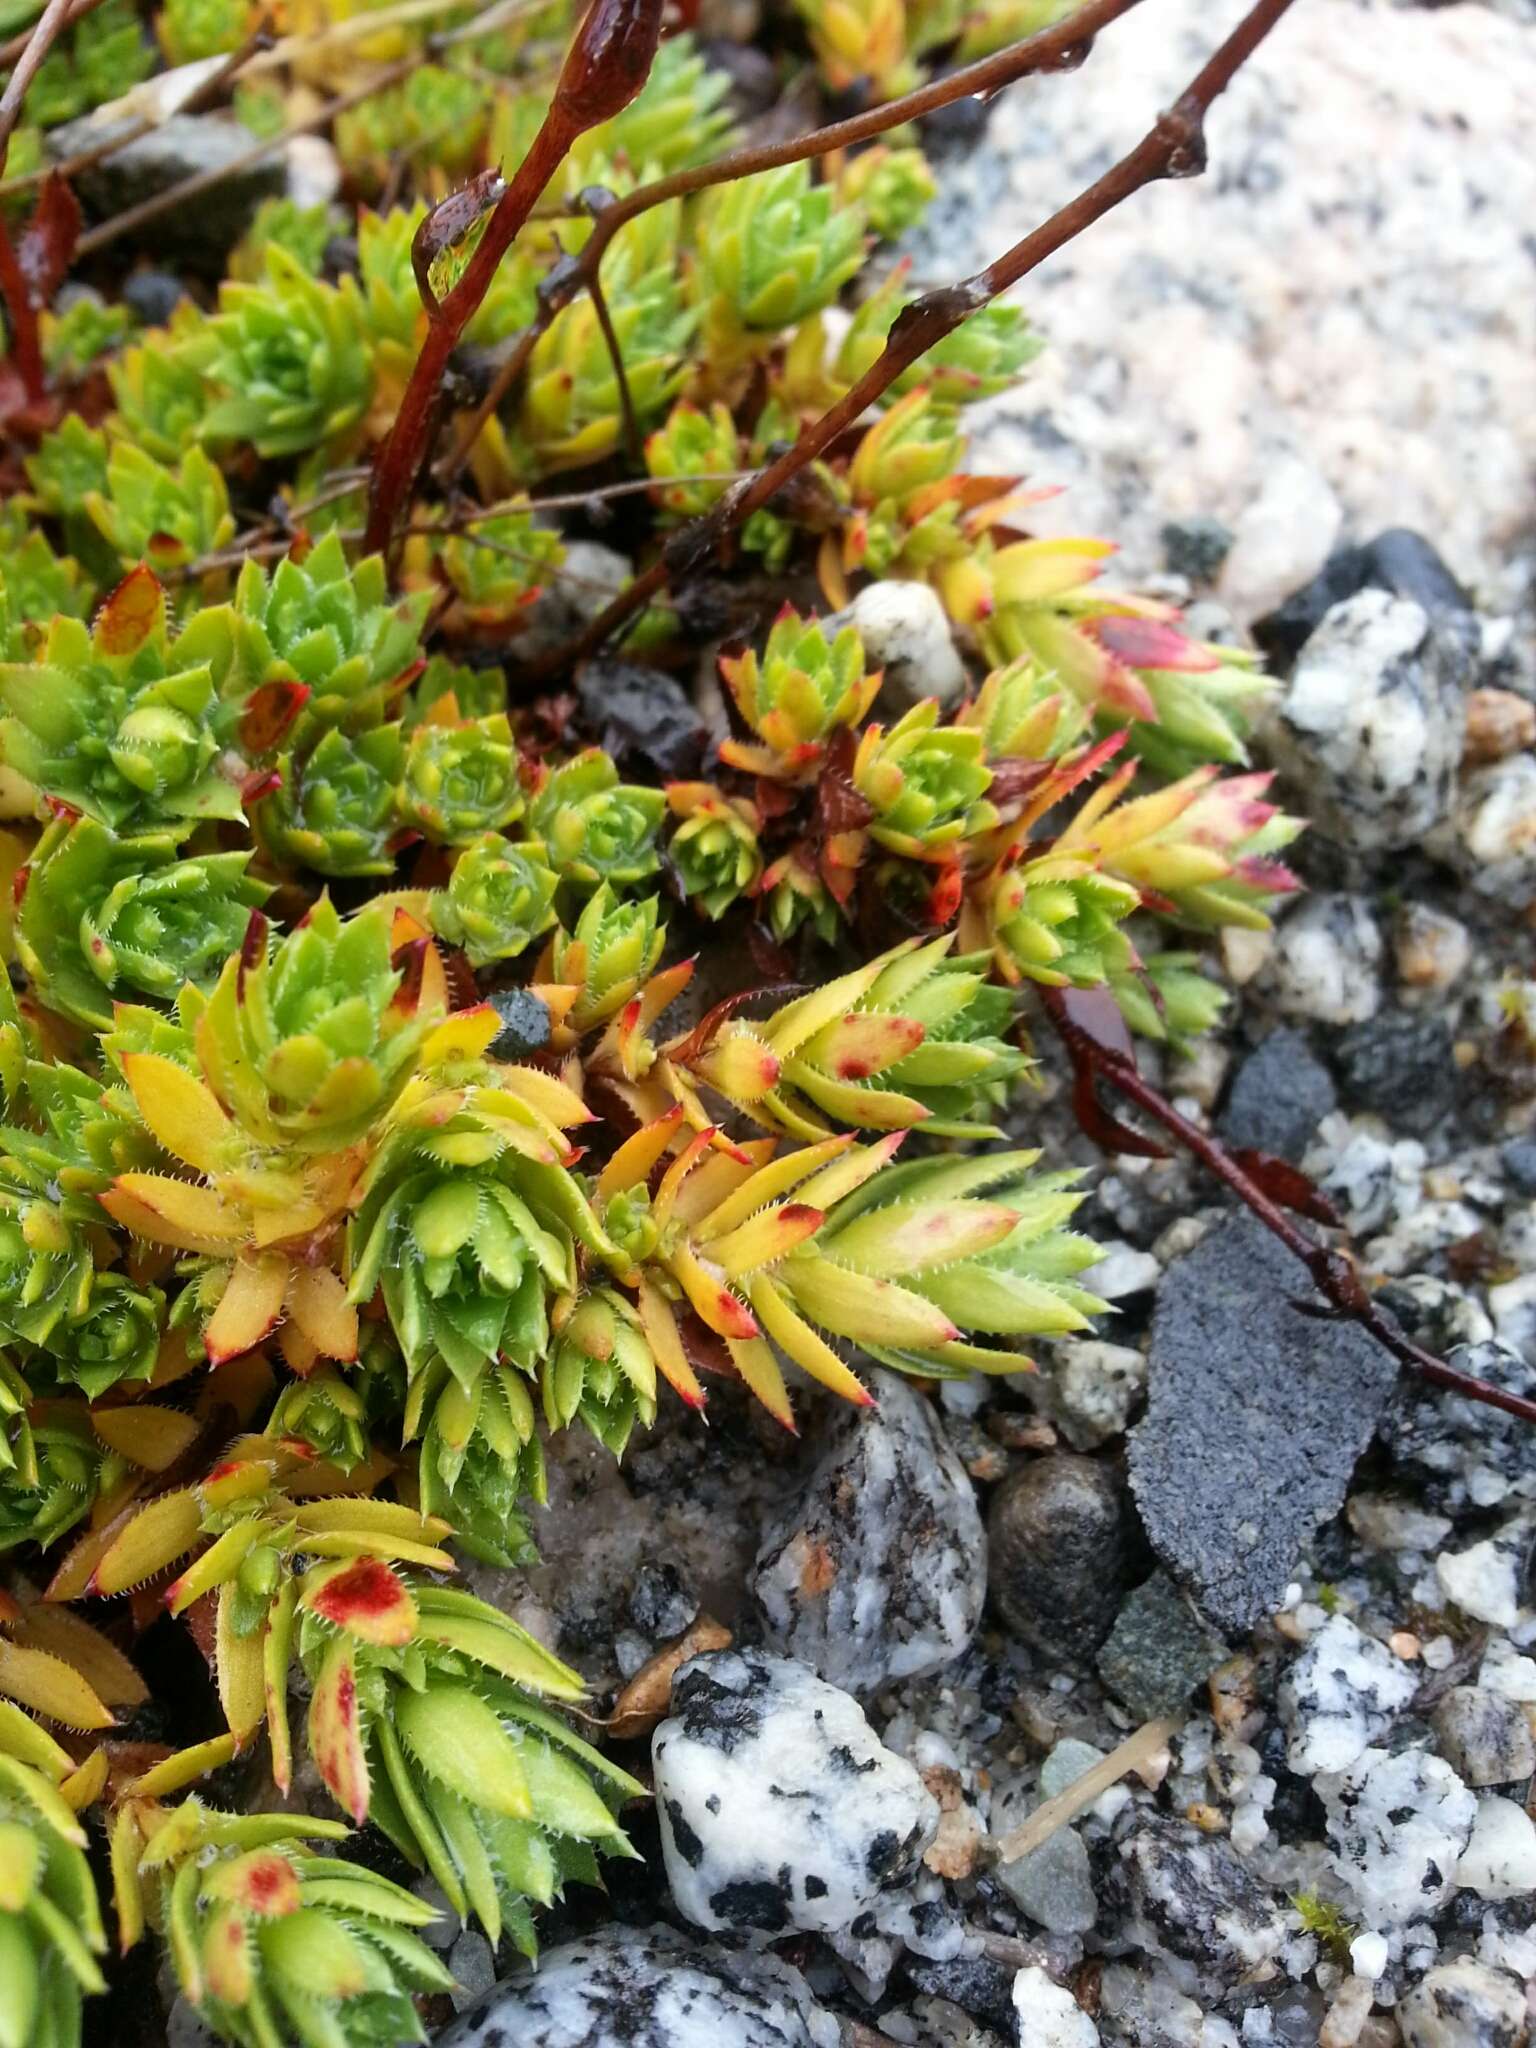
(608, 63)
(1174, 147)
(1333, 1273)
(49, 26)
(176, 196)
(1054, 48)
(10, 51)
(1131, 1755)
(258, 40)
(632, 442)
(15, 287)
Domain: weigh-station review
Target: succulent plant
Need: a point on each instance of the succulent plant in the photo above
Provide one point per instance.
(572, 413)
(680, 116)
(774, 248)
(189, 30)
(993, 24)
(1127, 659)
(151, 512)
(50, 1472)
(445, 1742)
(692, 443)
(438, 114)
(160, 397)
(332, 627)
(271, 1942)
(984, 355)
(81, 333)
(303, 231)
(925, 784)
(122, 721)
(714, 847)
(50, 1922)
(860, 41)
(895, 187)
(287, 360)
(802, 689)
(102, 56)
(334, 809)
(496, 565)
(592, 827)
(914, 1037)
(70, 463)
(499, 899)
(599, 1369)
(36, 586)
(1166, 997)
(460, 780)
(614, 949)
(100, 915)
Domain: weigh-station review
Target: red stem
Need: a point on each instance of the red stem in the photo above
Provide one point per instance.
(1333, 1273)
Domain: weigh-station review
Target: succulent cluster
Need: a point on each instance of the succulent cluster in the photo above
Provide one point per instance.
(362, 1124)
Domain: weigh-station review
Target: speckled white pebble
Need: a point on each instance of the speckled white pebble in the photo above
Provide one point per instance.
(1049, 2016)
(779, 1805)
(1339, 1695)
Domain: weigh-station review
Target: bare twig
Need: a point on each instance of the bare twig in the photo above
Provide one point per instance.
(608, 63)
(259, 39)
(1127, 1756)
(15, 286)
(176, 196)
(1053, 48)
(10, 51)
(632, 440)
(1174, 147)
(45, 33)
(1334, 1275)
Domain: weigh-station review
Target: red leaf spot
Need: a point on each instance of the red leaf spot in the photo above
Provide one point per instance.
(364, 1590)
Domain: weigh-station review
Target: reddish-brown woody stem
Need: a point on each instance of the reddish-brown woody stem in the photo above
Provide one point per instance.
(608, 63)
(1097, 1058)
(1059, 47)
(1173, 148)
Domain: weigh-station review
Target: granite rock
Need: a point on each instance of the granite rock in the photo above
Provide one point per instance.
(1484, 1737)
(1368, 733)
(1193, 1895)
(779, 1805)
(1256, 1414)
(1464, 2004)
(877, 1570)
(1339, 1696)
(1211, 344)
(1402, 1066)
(1327, 961)
(1397, 1827)
(648, 1988)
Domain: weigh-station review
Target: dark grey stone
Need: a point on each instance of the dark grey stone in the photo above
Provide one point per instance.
(643, 717)
(524, 1023)
(1158, 1651)
(1519, 1161)
(1402, 1066)
(152, 296)
(1196, 547)
(648, 1988)
(178, 148)
(1279, 1096)
(1057, 1537)
(1256, 1415)
(1397, 560)
(1192, 1894)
